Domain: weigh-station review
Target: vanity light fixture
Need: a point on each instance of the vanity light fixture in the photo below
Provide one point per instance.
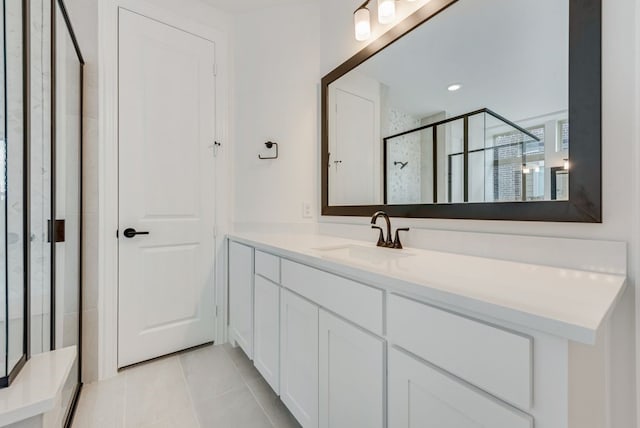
(362, 17)
(454, 87)
(525, 169)
(386, 11)
(566, 164)
(362, 20)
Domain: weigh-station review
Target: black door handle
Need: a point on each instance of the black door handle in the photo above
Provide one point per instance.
(131, 232)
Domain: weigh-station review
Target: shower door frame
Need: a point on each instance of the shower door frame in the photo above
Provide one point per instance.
(55, 4)
(5, 381)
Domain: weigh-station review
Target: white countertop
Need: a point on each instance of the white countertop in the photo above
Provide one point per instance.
(566, 303)
(35, 389)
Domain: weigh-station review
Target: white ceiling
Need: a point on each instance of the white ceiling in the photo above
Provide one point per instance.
(240, 6)
(510, 56)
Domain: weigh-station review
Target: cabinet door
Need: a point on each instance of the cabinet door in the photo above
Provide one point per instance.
(241, 296)
(351, 375)
(266, 331)
(423, 396)
(299, 358)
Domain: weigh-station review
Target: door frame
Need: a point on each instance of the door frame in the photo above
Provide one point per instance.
(108, 196)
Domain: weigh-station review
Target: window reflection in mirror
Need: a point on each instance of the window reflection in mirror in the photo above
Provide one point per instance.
(470, 107)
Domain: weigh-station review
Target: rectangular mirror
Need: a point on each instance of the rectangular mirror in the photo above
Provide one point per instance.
(467, 109)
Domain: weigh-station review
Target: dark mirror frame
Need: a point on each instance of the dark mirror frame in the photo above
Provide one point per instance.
(585, 122)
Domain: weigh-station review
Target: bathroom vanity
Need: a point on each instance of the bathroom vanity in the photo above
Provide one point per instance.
(351, 335)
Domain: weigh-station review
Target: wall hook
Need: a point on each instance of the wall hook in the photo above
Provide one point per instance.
(270, 145)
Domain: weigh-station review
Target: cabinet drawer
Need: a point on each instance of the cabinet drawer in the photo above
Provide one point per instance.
(349, 299)
(268, 266)
(423, 396)
(498, 361)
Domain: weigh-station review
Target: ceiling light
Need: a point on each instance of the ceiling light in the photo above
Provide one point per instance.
(454, 87)
(362, 20)
(386, 11)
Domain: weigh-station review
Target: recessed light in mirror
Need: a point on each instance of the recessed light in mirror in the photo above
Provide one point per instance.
(454, 87)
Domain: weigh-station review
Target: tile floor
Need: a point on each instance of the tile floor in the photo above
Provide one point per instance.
(214, 386)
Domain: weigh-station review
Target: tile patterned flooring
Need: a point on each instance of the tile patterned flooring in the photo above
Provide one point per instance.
(214, 386)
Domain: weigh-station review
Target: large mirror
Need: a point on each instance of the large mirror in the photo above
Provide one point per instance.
(470, 109)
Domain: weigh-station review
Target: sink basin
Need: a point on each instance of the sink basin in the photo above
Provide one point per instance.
(373, 255)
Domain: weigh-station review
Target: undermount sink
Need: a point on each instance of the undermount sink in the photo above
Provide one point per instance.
(374, 255)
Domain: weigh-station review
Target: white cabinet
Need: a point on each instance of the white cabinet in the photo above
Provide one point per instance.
(351, 375)
(494, 359)
(422, 396)
(241, 296)
(299, 358)
(266, 337)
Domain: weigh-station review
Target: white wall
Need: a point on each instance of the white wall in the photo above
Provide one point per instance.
(283, 52)
(277, 70)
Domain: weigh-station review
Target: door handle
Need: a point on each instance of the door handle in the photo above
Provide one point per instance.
(131, 232)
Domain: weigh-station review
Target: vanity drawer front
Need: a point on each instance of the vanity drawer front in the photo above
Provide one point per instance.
(421, 395)
(268, 266)
(498, 361)
(349, 299)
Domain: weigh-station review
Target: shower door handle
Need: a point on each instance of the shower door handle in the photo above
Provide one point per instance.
(131, 232)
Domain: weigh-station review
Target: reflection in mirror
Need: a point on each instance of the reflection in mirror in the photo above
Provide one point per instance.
(472, 106)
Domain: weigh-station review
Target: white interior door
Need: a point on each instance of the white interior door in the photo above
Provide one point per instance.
(166, 188)
(353, 158)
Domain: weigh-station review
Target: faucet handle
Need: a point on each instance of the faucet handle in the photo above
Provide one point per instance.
(381, 242)
(396, 243)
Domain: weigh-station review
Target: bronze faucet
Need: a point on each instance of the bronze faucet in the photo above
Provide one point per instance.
(382, 242)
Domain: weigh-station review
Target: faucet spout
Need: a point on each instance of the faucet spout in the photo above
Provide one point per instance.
(388, 242)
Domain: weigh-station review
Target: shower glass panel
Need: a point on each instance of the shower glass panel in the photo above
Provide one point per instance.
(13, 238)
(68, 202)
(479, 157)
(41, 200)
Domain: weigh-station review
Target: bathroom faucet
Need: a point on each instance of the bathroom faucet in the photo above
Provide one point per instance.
(381, 241)
(388, 243)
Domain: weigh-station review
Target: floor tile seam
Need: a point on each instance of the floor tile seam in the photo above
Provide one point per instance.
(192, 405)
(255, 397)
(235, 364)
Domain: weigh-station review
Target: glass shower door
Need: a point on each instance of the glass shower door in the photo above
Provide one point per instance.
(68, 197)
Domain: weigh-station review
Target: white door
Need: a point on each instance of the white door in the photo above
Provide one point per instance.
(166, 188)
(353, 157)
(266, 341)
(351, 365)
(423, 396)
(241, 296)
(299, 358)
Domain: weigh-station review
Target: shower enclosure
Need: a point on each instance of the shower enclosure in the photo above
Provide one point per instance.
(40, 189)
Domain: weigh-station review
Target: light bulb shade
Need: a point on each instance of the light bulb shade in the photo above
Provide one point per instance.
(386, 11)
(362, 21)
